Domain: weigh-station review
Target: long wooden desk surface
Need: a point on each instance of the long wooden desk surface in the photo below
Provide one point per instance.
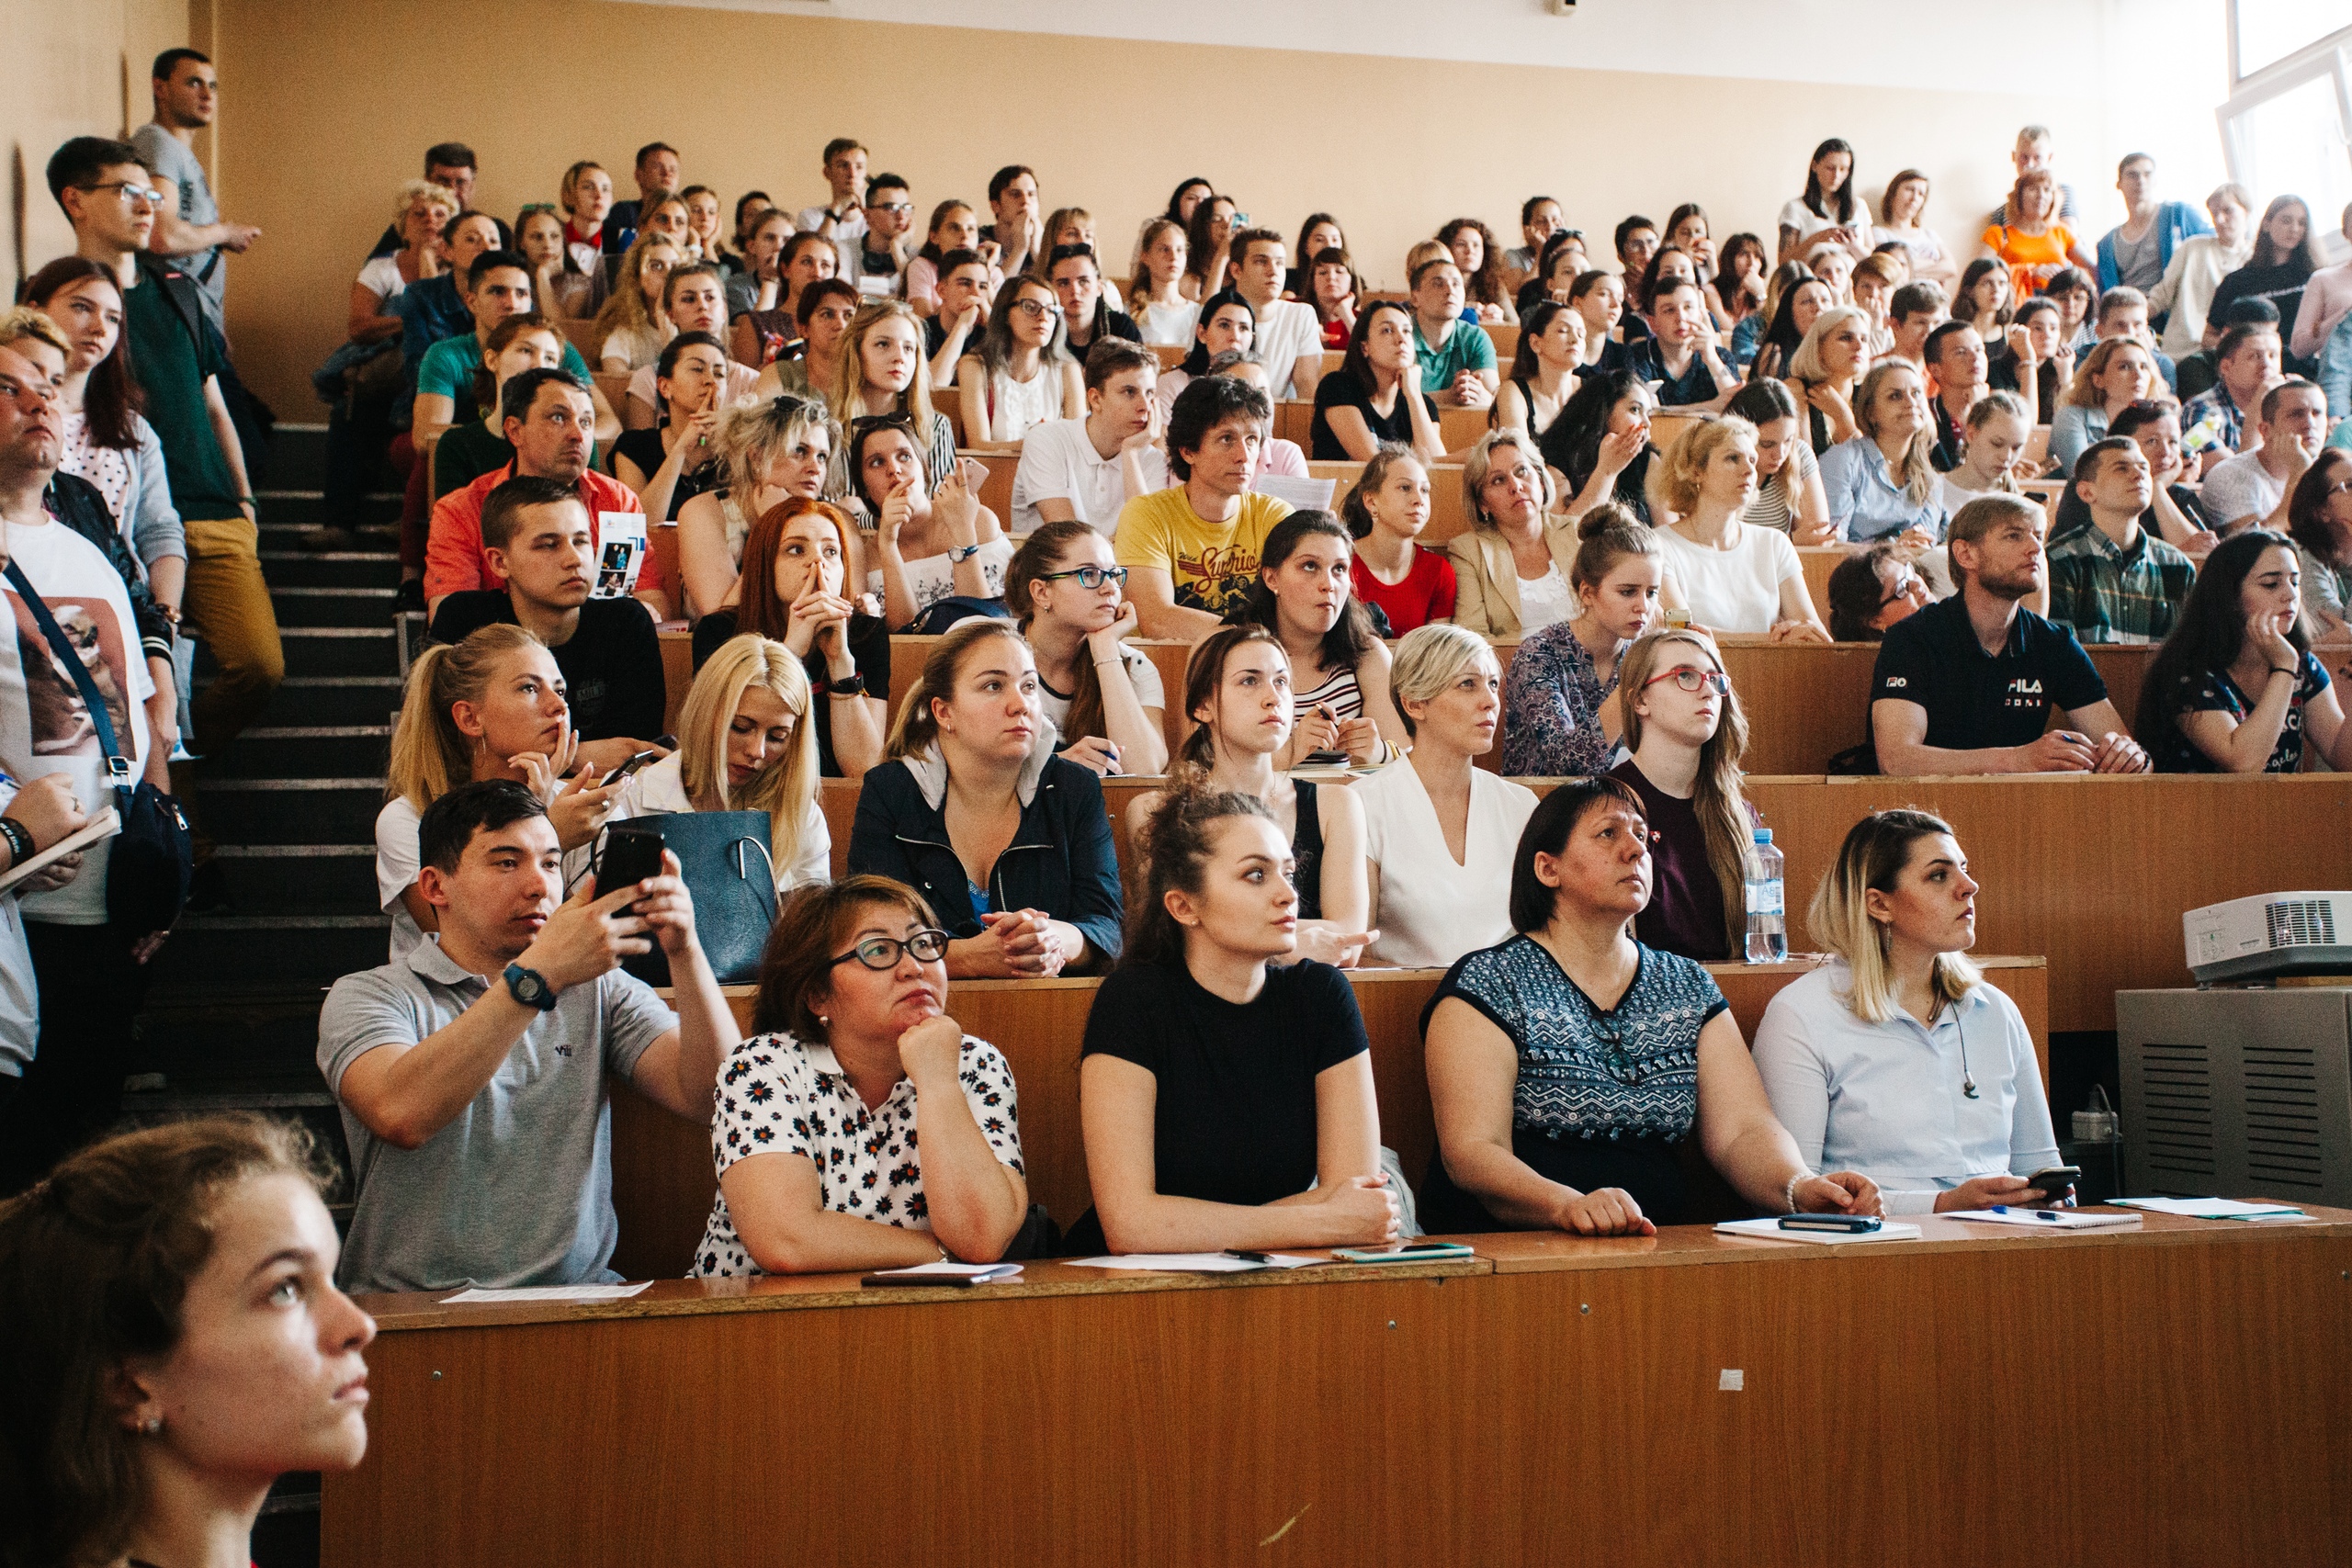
(663, 1182)
(2173, 1395)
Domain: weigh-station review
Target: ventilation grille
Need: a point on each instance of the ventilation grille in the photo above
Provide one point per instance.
(2302, 922)
(2282, 1116)
(2177, 1083)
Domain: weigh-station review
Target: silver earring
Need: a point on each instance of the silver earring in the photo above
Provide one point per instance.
(153, 1425)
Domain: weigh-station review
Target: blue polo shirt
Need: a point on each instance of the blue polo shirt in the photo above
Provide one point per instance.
(1978, 700)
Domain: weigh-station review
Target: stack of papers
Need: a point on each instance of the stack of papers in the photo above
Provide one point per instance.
(1769, 1230)
(945, 1272)
(1193, 1262)
(477, 1296)
(2213, 1208)
(2051, 1221)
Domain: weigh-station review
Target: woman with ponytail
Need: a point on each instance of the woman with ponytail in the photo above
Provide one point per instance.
(490, 707)
(1558, 719)
(1066, 591)
(1226, 1094)
(1685, 729)
(1237, 691)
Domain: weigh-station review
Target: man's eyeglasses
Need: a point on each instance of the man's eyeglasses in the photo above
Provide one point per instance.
(882, 952)
(893, 206)
(131, 192)
(1694, 680)
(1087, 576)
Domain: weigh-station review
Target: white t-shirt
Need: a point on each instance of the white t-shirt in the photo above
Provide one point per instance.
(1169, 325)
(640, 347)
(932, 578)
(2240, 487)
(45, 726)
(1287, 333)
(1142, 674)
(660, 790)
(1058, 458)
(1431, 910)
(1738, 589)
(396, 857)
(382, 277)
(1807, 222)
(742, 380)
(1546, 601)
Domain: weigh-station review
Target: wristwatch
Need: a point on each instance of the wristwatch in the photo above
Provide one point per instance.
(961, 553)
(850, 685)
(529, 987)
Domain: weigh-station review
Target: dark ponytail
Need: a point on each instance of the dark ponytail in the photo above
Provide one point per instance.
(1175, 851)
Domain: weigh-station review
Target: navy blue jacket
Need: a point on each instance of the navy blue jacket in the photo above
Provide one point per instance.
(1060, 860)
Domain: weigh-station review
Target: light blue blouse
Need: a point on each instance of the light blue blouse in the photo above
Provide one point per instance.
(1887, 1098)
(1865, 500)
(2073, 429)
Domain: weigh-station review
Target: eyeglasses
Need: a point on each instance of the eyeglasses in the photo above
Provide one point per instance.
(1693, 680)
(1087, 576)
(131, 191)
(1035, 309)
(894, 207)
(882, 952)
(1905, 586)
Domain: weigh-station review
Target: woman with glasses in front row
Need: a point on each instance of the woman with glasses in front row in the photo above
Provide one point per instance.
(1566, 1063)
(814, 1132)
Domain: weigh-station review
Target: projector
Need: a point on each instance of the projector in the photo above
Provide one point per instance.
(2269, 935)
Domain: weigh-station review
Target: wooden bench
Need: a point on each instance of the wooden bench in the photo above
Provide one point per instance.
(662, 1179)
(1457, 428)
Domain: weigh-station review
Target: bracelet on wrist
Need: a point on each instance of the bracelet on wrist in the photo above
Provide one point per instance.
(19, 842)
(2284, 669)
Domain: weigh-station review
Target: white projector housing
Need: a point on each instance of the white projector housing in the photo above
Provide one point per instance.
(2268, 935)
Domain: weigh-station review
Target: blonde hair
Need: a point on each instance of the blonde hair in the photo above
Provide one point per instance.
(1721, 809)
(624, 306)
(1480, 462)
(1991, 406)
(917, 726)
(1918, 476)
(1806, 364)
(24, 321)
(2082, 392)
(784, 790)
(749, 436)
(1876, 850)
(1426, 251)
(1428, 661)
(1686, 461)
(414, 191)
(430, 755)
(846, 396)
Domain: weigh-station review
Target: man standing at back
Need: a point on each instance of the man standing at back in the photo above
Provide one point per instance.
(102, 188)
(187, 224)
(2135, 252)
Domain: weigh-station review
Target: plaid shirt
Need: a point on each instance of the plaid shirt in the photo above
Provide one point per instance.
(2211, 420)
(2109, 595)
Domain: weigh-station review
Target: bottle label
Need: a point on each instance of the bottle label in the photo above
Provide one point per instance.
(1764, 897)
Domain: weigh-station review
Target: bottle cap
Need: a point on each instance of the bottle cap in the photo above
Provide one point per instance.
(1763, 835)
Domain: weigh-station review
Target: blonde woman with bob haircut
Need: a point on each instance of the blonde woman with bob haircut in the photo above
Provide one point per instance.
(492, 707)
(1896, 1059)
(1824, 370)
(1511, 565)
(1734, 576)
(746, 743)
(1437, 829)
(770, 451)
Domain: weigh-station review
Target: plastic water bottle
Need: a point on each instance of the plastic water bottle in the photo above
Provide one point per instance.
(1768, 925)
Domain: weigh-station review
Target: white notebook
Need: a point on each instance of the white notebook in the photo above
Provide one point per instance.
(1770, 1229)
(2051, 1220)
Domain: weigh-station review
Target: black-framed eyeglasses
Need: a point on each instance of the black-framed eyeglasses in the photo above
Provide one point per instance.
(1087, 576)
(1035, 309)
(128, 191)
(882, 952)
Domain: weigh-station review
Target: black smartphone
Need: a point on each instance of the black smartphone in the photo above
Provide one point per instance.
(632, 765)
(631, 854)
(1852, 1224)
(1321, 760)
(2054, 1182)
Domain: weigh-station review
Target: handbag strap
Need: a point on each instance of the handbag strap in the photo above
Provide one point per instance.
(117, 769)
(743, 862)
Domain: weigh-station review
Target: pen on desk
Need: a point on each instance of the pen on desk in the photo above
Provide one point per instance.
(1248, 1257)
(2038, 1214)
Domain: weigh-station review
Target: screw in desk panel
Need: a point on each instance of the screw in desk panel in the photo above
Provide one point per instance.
(1585, 1309)
(436, 1377)
(1392, 1322)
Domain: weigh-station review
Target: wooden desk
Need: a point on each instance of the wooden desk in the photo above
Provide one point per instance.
(662, 1181)
(2189, 1378)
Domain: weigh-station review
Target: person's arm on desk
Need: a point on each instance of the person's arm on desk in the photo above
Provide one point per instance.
(1746, 1143)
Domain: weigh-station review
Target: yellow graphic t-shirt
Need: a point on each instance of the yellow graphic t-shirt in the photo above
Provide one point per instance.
(1213, 564)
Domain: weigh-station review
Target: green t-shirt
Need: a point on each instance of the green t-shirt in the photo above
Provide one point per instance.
(174, 363)
(1467, 347)
(450, 366)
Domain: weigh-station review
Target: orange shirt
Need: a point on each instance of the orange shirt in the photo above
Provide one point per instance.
(2031, 258)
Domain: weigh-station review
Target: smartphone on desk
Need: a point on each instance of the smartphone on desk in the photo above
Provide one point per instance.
(1411, 1252)
(630, 855)
(1852, 1224)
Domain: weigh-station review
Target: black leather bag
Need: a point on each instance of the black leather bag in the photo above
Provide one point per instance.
(723, 857)
(150, 861)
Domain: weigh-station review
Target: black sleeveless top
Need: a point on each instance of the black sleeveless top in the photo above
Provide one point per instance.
(1306, 854)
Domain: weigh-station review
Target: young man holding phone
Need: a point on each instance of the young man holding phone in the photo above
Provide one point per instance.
(536, 533)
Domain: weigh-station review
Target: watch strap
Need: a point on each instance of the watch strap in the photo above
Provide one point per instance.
(530, 987)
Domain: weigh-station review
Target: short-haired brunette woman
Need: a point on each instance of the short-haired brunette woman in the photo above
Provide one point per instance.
(1237, 691)
(1897, 1059)
(176, 1344)
(858, 1126)
(1566, 1063)
(1226, 1097)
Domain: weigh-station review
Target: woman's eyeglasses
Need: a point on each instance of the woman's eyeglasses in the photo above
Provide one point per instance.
(1087, 576)
(1035, 309)
(881, 953)
(1694, 680)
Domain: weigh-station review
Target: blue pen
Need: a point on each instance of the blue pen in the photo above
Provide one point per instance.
(2037, 1213)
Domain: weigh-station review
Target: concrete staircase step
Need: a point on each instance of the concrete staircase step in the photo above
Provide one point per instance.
(365, 608)
(307, 751)
(241, 947)
(331, 569)
(327, 650)
(334, 811)
(300, 879)
(334, 699)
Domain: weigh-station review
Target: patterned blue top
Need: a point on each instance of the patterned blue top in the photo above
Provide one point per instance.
(1552, 708)
(1629, 1072)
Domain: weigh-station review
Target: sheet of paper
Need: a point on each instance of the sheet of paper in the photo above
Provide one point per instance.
(1192, 1262)
(548, 1294)
(2052, 1222)
(2207, 1208)
(1304, 495)
(620, 539)
(1769, 1230)
(944, 1269)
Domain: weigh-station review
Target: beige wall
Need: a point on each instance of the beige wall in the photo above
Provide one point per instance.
(77, 68)
(328, 107)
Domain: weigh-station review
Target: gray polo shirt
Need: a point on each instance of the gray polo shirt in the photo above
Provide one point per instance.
(518, 1188)
(168, 158)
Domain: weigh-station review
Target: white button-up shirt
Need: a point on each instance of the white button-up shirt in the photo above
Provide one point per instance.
(1887, 1099)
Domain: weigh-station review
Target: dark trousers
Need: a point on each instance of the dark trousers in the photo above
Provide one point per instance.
(90, 993)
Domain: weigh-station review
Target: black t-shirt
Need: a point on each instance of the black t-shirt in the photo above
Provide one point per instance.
(2001, 374)
(1234, 1117)
(1951, 437)
(1646, 359)
(1976, 700)
(1345, 390)
(1113, 323)
(935, 329)
(644, 448)
(2281, 284)
(611, 664)
(869, 649)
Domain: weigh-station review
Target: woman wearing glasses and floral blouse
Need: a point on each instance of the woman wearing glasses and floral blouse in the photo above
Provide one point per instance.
(852, 1056)
(1566, 1063)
